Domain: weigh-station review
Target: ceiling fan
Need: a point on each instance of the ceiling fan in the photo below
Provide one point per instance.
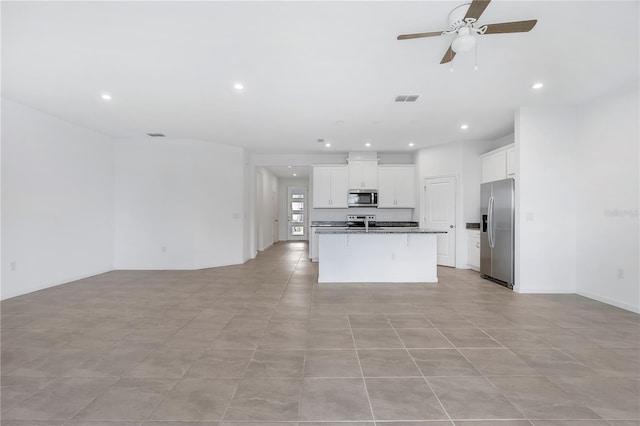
(465, 25)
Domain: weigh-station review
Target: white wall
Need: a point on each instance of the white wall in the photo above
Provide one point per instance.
(462, 160)
(57, 201)
(546, 146)
(607, 200)
(179, 204)
(472, 174)
(266, 208)
(248, 222)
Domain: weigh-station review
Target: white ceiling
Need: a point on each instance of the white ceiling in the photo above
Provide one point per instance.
(287, 172)
(310, 69)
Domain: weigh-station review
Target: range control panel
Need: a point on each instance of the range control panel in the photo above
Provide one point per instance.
(360, 218)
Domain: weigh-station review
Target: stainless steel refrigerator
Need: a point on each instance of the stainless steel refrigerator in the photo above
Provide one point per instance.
(497, 232)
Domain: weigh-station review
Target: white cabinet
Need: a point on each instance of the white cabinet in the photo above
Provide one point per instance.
(473, 249)
(396, 187)
(494, 166)
(313, 246)
(330, 187)
(511, 162)
(363, 175)
(499, 164)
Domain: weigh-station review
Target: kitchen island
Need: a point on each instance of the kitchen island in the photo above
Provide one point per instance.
(377, 255)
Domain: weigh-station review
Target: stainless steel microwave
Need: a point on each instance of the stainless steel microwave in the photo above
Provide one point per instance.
(362, 198)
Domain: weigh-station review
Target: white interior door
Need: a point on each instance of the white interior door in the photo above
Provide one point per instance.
(440, 214)
(259, 213)
(275, 230)
(297, 206)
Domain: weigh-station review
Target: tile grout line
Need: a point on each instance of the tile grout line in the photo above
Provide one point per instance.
(366, 389)
(420, 371)
(224, 414)
(486, 377)
(304, 353)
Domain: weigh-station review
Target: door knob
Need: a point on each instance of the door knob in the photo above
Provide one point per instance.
(450, 226)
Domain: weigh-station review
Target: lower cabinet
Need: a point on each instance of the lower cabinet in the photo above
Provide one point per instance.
(473, 249)
(313, 244)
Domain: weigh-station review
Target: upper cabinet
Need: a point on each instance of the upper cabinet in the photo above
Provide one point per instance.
(363, 174)
(511, 162)
(396, 187)
(330, 187)
(499, 164)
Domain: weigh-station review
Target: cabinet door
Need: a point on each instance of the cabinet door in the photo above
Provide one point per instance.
(339, 187)
(494, 167)
(313, 247)
(370, 174)
(356, 172)
(511, 162)
(405, 187)
(386, 187)
(321, 187)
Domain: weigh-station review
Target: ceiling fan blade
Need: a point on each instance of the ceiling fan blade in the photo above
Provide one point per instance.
(419, 35)
(448, 57)
(511, 27)
(476, 8)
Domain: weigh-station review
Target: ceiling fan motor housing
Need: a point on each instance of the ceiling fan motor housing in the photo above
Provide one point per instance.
(456, 17)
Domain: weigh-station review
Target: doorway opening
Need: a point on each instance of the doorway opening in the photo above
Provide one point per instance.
(297, 206)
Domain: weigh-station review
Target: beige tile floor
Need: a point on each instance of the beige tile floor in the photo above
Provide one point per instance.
(262, 343)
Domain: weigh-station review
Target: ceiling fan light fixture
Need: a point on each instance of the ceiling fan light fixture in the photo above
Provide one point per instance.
(463, 43)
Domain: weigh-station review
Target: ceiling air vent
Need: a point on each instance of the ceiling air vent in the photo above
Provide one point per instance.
(406, 98)
(156, 135)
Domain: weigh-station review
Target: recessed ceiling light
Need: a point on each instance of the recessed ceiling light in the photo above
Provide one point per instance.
(295, 174)
(106, 96)
(327, 144)
(464, 127)
(289, 166)
(238, 86)
(411, 144)
(537, 86)
(367, 144)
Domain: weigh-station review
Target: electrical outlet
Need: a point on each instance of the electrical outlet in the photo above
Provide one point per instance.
(236, 215)
(620, 273)
(164, 249)
(13, 265)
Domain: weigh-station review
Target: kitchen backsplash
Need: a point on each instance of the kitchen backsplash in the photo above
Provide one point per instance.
(381, 214)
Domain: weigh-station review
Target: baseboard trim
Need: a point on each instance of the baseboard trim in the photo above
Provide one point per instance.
(517, 289)
(3, 296)
(609, 301)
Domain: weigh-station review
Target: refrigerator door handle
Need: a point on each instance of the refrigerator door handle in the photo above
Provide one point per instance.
(490, 234)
